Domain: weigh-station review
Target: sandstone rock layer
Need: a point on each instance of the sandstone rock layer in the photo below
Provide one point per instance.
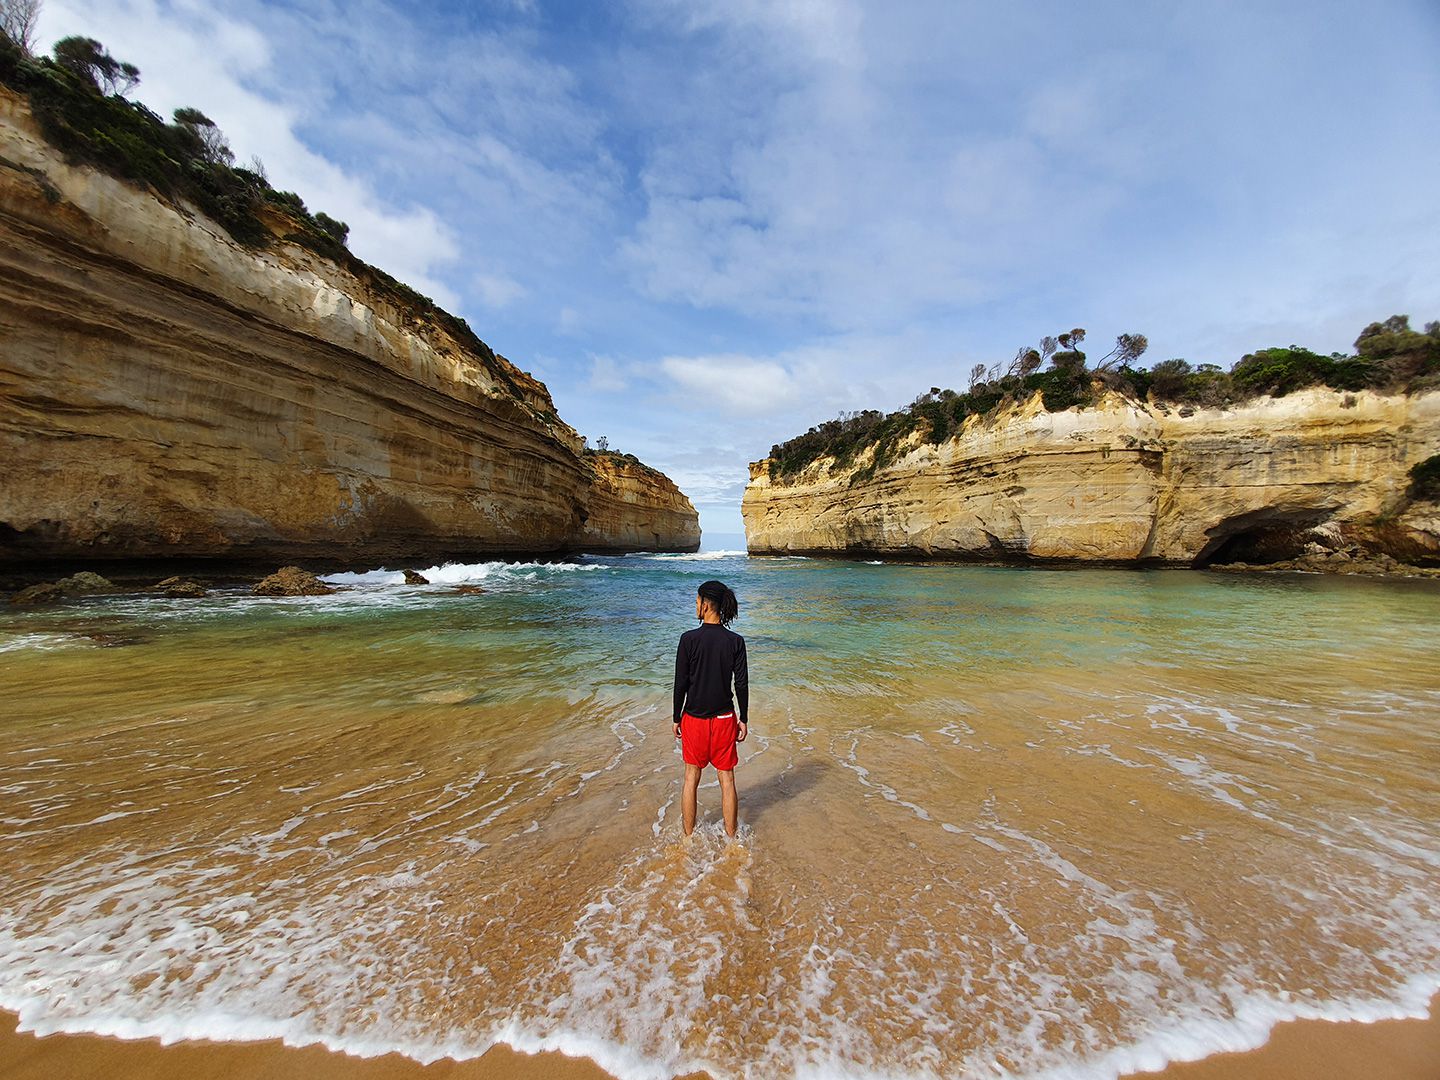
(165, 392)
(634, 508)
(1122, 483)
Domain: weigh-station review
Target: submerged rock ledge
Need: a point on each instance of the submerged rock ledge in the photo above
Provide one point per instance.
(167, 393)
(1127, 483)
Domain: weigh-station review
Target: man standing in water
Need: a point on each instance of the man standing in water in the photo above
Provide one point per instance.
(708, 657)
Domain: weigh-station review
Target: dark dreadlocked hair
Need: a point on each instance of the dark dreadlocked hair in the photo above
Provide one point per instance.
(719, 594)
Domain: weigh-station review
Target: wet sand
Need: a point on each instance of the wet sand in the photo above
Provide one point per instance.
(1320, 1050)
(1302, 1050)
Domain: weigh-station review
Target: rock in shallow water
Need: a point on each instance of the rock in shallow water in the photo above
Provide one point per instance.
(180, 588)
(84, 582)
(413, 577)
(45, 593)
(292, 581)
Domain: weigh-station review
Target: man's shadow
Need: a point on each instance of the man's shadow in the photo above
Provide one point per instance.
(755, 801)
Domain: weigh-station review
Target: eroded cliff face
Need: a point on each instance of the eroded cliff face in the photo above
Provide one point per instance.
(1124, 482)
(165, 392)
(634, 508)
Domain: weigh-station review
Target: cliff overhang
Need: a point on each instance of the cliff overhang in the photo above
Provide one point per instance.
(1125, 483)
(168, 393)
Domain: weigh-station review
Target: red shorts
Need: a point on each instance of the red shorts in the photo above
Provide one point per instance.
(709, 741)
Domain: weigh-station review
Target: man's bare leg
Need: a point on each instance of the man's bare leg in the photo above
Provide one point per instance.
(687, 797)
(729, 801)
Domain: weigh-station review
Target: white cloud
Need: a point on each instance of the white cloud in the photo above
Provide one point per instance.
(498, 291)
(837, 202)
(605, 375)
(733, 383)
(816, 380)
(942, 161)
(568, 321)
(820, 31)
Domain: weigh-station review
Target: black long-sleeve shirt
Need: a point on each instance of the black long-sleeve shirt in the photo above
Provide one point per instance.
(705, 661)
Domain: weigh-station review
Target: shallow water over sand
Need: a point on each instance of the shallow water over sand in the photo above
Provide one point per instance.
(995, 822)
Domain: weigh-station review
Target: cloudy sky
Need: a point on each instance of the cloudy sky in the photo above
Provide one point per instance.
(708, 226)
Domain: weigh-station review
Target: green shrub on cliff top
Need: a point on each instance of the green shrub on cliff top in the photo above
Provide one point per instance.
(617, 455)
(1389, 356)
(1278, 372)
(78, 98)
(127, 140)
(11, 57)
(1401, 355)
(189, 160)
(940, 413)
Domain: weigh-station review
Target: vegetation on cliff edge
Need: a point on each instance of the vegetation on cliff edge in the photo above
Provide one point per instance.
(1389, 356)
(78, 97)
(603, 450)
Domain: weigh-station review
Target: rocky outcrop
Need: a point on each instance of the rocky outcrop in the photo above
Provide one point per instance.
(85, 582)
(45, 592)
(168, 393)
(634, 508)
(1125, 482)
(292, 581)
(80, 584)
(178, 588)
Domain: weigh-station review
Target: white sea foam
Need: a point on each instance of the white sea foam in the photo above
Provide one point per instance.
(886, 792)
(40, 641)
(495, 572)
(1191, 1038)
(609, 995)
(689, 556)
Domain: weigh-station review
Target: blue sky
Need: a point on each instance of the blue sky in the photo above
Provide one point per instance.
(709, 226)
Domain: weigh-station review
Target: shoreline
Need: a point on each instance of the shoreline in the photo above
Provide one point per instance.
(1399, 572)
(140, 579)
(1398, 1049)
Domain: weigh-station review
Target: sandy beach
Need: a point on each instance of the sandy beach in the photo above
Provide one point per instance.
(1303, 1050)
(369, 816)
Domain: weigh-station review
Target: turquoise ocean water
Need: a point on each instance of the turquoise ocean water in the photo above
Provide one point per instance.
(995, 821)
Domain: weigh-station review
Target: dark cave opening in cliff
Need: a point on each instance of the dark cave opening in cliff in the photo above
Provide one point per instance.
(1261, 536)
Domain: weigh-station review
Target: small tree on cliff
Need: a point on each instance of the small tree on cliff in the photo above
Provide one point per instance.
(88, 59)
(1128, 347)
(1400, 353)
(336, 229)
(1169, 378)
(205, 137)
(1113, 368)
(18, 19)
(1069, 357)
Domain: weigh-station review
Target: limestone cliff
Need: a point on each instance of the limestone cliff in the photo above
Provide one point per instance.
(634, 508)
(167, 392)
(1123, 482)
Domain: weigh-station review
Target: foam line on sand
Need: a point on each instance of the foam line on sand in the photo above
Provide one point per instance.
(1298, 1050)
